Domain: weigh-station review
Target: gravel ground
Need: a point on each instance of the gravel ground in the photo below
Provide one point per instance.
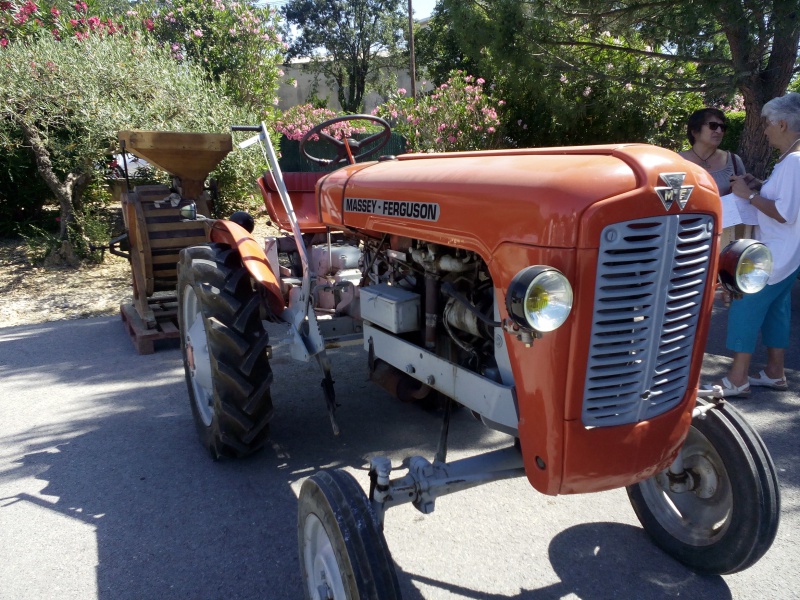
(31, 294)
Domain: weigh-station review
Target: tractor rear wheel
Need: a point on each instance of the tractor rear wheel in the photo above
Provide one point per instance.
(224, 346)
(728, 517)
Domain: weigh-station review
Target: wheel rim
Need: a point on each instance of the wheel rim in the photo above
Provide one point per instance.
(324, 577)
(702, 515)
(198, 359)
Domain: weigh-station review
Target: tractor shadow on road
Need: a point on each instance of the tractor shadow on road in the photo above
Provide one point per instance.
(598, 561)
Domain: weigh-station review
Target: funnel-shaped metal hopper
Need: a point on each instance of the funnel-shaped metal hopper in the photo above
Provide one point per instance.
(188, 156)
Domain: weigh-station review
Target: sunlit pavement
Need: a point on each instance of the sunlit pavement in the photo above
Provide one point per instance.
(105, 492)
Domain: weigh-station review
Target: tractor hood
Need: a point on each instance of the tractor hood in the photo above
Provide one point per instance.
(480, 200)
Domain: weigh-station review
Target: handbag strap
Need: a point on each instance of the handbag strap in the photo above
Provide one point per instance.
(734, 158)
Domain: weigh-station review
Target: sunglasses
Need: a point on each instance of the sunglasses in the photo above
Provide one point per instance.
(713, 126)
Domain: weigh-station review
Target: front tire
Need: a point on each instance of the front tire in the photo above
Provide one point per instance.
(729, 518)
(224, 348)
(343, 554)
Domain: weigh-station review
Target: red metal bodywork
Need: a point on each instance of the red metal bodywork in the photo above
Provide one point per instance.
(518, 208)
(253, 258)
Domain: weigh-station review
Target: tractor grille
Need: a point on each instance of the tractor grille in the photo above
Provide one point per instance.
(651, 276)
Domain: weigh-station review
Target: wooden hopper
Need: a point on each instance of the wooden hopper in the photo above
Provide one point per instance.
(188, 156)
(156, 231)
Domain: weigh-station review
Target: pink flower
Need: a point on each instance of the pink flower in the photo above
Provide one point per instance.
(81, 7)
(491, 129)
(401, 91)
(54, 11)
(198, 32)
(3, 42)
(480, 81)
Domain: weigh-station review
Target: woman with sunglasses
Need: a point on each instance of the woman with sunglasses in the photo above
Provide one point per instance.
(705, 129)
(777, 201)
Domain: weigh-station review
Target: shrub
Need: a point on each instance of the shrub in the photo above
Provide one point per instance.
(457, 115)
(76, 95)
(238, 44)
(300, 119)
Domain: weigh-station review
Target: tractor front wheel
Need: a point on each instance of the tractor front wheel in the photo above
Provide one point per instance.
(721, 514)
(343, 554)
(224, 346)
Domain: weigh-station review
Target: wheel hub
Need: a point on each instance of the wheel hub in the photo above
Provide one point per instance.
(198, 357)
(705, 479)
(190, 355)
(320, 559)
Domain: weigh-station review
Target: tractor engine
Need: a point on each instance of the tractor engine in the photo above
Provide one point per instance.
(438, 297)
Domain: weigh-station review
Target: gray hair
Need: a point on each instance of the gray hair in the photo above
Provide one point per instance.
(785, 108)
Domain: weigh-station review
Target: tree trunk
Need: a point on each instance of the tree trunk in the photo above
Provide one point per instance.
(753, 145)
(760, 83)
(63, 191)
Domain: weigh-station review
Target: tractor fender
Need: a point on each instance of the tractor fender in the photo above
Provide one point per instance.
(253, 258)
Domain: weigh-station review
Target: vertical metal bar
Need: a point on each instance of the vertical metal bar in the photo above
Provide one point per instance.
(413, 71)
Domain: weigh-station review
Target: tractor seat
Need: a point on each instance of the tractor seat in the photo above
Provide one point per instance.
(302, 192)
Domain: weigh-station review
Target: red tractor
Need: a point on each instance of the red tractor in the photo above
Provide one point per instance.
(563, 295)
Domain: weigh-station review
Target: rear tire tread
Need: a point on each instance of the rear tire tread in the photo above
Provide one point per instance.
(230, 305)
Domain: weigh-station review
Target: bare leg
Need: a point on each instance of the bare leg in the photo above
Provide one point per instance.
(738, 373)
(774, 368)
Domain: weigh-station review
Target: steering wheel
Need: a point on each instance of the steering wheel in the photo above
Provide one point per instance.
(357, 148)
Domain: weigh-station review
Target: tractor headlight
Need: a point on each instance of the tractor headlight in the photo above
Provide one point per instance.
(539, 298)
(745, 266)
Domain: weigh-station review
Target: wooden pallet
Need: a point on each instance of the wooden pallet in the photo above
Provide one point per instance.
(165, 310)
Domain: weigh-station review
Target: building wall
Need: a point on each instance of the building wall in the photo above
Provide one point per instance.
(289, 95)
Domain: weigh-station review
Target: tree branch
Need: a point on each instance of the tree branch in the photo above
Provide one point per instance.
(651, 54)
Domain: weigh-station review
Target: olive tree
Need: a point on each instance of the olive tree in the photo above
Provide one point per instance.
(67, 100)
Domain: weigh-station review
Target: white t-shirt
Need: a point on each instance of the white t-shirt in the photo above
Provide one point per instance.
(783, 239)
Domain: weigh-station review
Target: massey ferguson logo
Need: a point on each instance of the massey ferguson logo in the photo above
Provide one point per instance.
(424, 211)
(674, 191)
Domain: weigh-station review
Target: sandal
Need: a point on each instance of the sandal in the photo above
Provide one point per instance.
(728, 390)
(763, 381)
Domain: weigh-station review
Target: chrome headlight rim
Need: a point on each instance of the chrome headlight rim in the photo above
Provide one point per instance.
(532, 286)
(745, 266)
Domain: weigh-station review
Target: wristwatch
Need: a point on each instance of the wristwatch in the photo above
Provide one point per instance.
(751, 196)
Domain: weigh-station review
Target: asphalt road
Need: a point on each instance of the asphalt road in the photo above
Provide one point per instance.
(105, 492)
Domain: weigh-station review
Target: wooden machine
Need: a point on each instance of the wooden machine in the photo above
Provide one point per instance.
(156, 232)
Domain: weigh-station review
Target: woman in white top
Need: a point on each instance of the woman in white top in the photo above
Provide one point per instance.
(778, 204)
